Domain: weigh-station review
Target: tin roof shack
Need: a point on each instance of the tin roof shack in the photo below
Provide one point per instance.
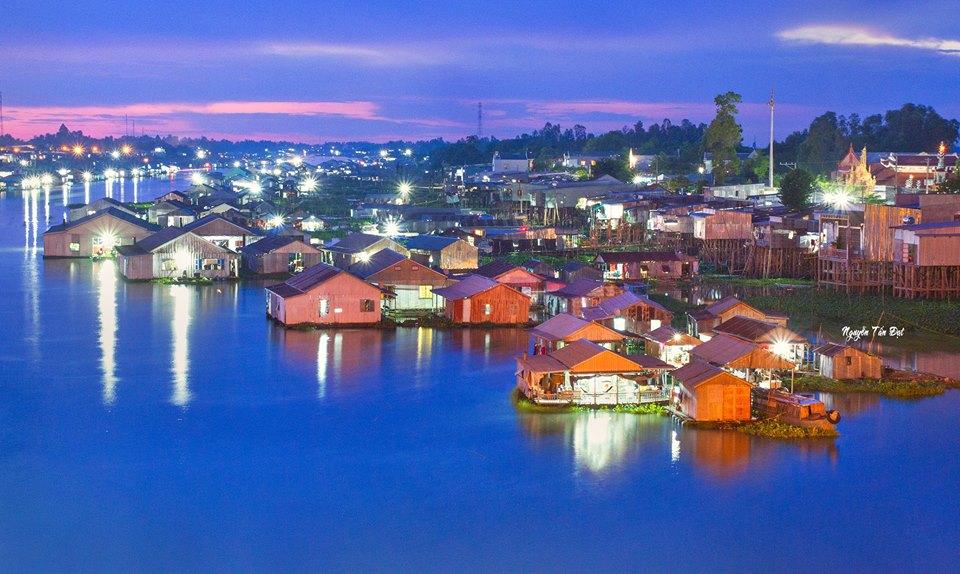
(278, 255)
(707, 393)
(175, 252)
(443, 252)
(700, 323)
(586, 373)
(629, 313)
(502, 271)
(669, 345)
(749, 361)
(174, 196)
(359, 247)
(171, 213)
(324, 295)
(79, 211)
(726, 224)
(926, 261)
(564, 328)
(220, 231)
(95, 235)
(636, 265)
(579, 294)
(573, 270)
(411, 282)
(476, 299)
(773, 337)
(847, 363)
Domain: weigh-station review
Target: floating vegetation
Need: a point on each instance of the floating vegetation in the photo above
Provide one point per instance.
(524, 404)
(772, 428)
(886, 387)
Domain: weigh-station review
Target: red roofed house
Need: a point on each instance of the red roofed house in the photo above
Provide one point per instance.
(629, 312)
(503, 271)
(324, 295)
(564, 328)
(771, 336)
(478, 299)
(586, 373)
(707, 393)
(578, 294)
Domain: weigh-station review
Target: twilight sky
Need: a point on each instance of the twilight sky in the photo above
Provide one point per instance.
(377, 70)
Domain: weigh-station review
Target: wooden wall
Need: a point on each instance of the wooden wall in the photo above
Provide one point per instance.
(878, 232)
(718, 400)
(508, 307)
(344, 292)
(726, 225)
(862, 365)
(57, 243)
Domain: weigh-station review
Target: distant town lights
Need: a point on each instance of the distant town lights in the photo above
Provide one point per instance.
(196, 178)
(87, 176)
(391, 227)
(110, 173)
(404, 188)
(308, 184)
(384, 153)
(115, 154)
(46, 179)
(275, 221)
(201, 154)
(126, 149)
(78, 150)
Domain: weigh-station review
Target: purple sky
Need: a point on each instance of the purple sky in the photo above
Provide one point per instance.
(318, 71)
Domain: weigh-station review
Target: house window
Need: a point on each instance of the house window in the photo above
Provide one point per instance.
(75, 243)
(487, 308)
(426, 292)
(665, 268)
(75, 247)
(849, 360)
(168, 265)
(366, 305)
(324, 307)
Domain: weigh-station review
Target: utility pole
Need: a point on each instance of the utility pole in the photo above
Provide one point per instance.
(480, 120)
(1, 115)
(772, 103)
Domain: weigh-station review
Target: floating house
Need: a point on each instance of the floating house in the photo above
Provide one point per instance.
(96, 235)
(279, 254)
(411, 282)
(745, 359)
(669, 345)
(707, 393)
(324, 295)
(586, 373)
(772, 336)
(578, 295)
(174, 196)
(629, 312)
(515, 276)
(176, 252)
(359, 247)
(478, 299)
(171, 213)
(701, 323)
(639, 266)
(847, 363)
(443, 252)
(222, 232)
(565, 328)
(78, 212)
(926, 260)
(573, 270)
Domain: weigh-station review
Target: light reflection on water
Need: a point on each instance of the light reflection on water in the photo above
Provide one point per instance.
(107, 319)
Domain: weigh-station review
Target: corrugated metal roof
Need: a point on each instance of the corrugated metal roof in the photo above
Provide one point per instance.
(614, 306)
(578, 287)
(377, 263)
(574, 353)
(355, 242)
(198, 225)
(695, 373)
(305, 280)
(272, 242)
(108, 212)
(466, 287)
(498, 267)
(758, 331)
(560, 326)
(667, 335)
(429, 242)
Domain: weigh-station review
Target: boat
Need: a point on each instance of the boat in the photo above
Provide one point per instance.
(800, 409)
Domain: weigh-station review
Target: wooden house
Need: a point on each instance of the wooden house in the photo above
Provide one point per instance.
(324, 295)
(478, 299)
(700, 323)
(502, 271)
(359, 247)
(541, 268)
(707, 393)
(926, 260)
(639, 266)
(411, 282)
(220, 231)
(279, 254)
(573, 270)
(669, 345)
(565, 328)
(629, 312)
(847, 363)
(173, 196)
(586, 373)
(748, 360)
(80, 211)
(443, 252)
(171, 213)
(726, 224)
(175, 252)
(574, 297)
(772, 336)
(96, 235)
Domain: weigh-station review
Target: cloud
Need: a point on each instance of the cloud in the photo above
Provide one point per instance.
(838, 35)
(378, 55)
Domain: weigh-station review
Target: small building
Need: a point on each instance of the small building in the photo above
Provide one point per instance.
(410, 282)
(629, 312)
(578, 295)
(586, 373)
(220, 231)
(174, 196)
(279, 254)
(78, 212)
(669, 345)
(722, 225)
(843, 362)
(96, 235)
(502, 271)
(700, 323)
(176, 252)
(707, 393)
(564, 328)
(171, 213)
(359, 247)
(324, 295)
(448, 253)
(747, 360)
(478, 299)
(573, 270)
(638, 266)
(774, 337)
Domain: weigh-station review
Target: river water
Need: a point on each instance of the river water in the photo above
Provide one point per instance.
(158, 428)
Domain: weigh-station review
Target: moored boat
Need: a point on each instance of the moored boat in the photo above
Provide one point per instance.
(798, 409)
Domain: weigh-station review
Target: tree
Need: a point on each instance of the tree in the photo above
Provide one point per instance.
(950, 186)
(796, 188)
(824, 144)
(723, 137)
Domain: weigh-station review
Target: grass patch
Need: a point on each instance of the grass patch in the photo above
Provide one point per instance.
(184, 281)
(772, 428)
(756, 282)
(898, 389)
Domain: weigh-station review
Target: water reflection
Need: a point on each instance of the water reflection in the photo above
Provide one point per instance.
(600, 440)
(180, 335)
(345, 358)
(723, 453)
(850, 404)
(107, 319)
